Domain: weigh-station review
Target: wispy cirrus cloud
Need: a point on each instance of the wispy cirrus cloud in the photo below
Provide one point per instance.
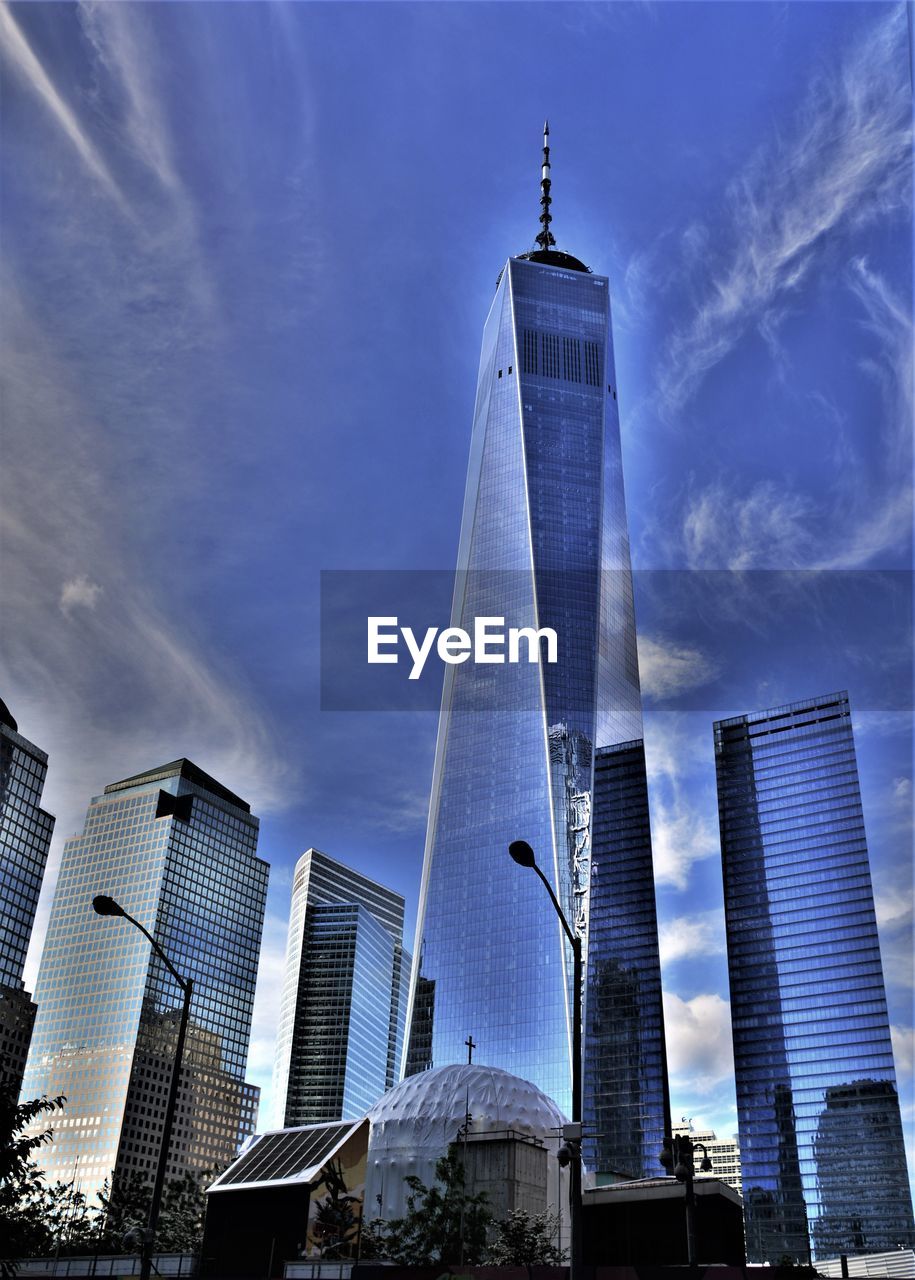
(866, 513)
(844, 160)
(28, 67)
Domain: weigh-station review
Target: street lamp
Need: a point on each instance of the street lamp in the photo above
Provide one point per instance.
(677, 1158)
(105, 906)
(570, 1154)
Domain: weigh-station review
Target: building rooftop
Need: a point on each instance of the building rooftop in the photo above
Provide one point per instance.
(184, 769)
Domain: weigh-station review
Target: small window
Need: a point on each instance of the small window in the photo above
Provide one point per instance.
(509, 368)
(500, 373)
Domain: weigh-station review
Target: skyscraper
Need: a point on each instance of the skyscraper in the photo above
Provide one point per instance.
(820, 1133)
(177, 850)
(25, 834)
(548, 753)
(344, 994)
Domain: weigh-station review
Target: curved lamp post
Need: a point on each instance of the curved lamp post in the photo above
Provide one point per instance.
(105, 906)
(677, 1158)
(523, 854)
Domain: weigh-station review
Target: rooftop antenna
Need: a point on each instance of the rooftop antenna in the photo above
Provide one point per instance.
(546, 237)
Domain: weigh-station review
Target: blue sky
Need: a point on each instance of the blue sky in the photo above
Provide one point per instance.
(249, 250)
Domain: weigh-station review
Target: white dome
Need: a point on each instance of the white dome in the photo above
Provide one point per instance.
(413, 1124)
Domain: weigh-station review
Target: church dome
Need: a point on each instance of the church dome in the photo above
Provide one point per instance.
(413, 1124)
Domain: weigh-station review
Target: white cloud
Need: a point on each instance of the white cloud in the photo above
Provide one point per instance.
(667, 668)
(903, 1051)
(902, 789)
(79, 592)
(680, 767)
(27, 65)
(766, 526)
(699, 1049)
(679, 837)
(687, 936)
(893, 908)
(266, 1015)
(844, 160)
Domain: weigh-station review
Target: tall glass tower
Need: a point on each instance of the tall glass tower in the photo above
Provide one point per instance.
(344, 998)
(550, 753)
(177, 850)
(821, 1140)
(25, 834)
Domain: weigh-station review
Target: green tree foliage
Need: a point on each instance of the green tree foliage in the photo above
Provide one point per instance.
(125, 1204)
(23, 1225)
(442, 1222)
(526, 1240)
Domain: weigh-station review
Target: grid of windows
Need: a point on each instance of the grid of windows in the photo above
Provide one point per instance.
(108, 1009)
(723, 1153)
(626, 1095)
(344, 994)
(820, 1132)
(543, 544)
(25, 834)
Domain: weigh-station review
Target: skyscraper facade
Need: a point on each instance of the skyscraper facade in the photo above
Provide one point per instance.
(344, 997)
(177, 850)
(25, 834)
(550, 753)
(821, 1140)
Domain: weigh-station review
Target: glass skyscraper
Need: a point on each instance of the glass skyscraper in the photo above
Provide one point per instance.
(177, 850)
(25, 834)
(550, 753)
(344, 995)
(821, 1140)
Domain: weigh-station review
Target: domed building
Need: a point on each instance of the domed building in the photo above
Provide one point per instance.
(509, 1146)
(263, 1206)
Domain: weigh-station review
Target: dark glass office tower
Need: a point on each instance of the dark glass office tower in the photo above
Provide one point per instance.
(343, 1009)
(177, 850)
(544, 544)
(820, 1133)
(25, 834)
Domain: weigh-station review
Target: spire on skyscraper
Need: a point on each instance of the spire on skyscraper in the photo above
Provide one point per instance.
(546, 237)
(544, 242)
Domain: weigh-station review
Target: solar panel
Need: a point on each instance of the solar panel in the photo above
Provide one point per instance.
(286, 1156)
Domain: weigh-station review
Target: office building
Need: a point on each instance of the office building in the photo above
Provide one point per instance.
(821, 1141)
(550, 753)
(177, 850)
(25, 834)
(724, 1154)
(345, 987)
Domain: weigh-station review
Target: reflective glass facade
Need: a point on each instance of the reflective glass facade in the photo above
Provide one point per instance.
(344, 994)
(820, 1133)
(25, 834)
(544, 543)
(178, 851)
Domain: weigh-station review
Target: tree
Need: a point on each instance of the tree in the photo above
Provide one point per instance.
(23, 1226)
(336, 1224)
(442, 1225)
(526, 1240)
(124, 1202)
(125, 1205)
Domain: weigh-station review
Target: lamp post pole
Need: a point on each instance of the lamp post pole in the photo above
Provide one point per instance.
(677, 1158)
(106, 906)
(523, 854)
